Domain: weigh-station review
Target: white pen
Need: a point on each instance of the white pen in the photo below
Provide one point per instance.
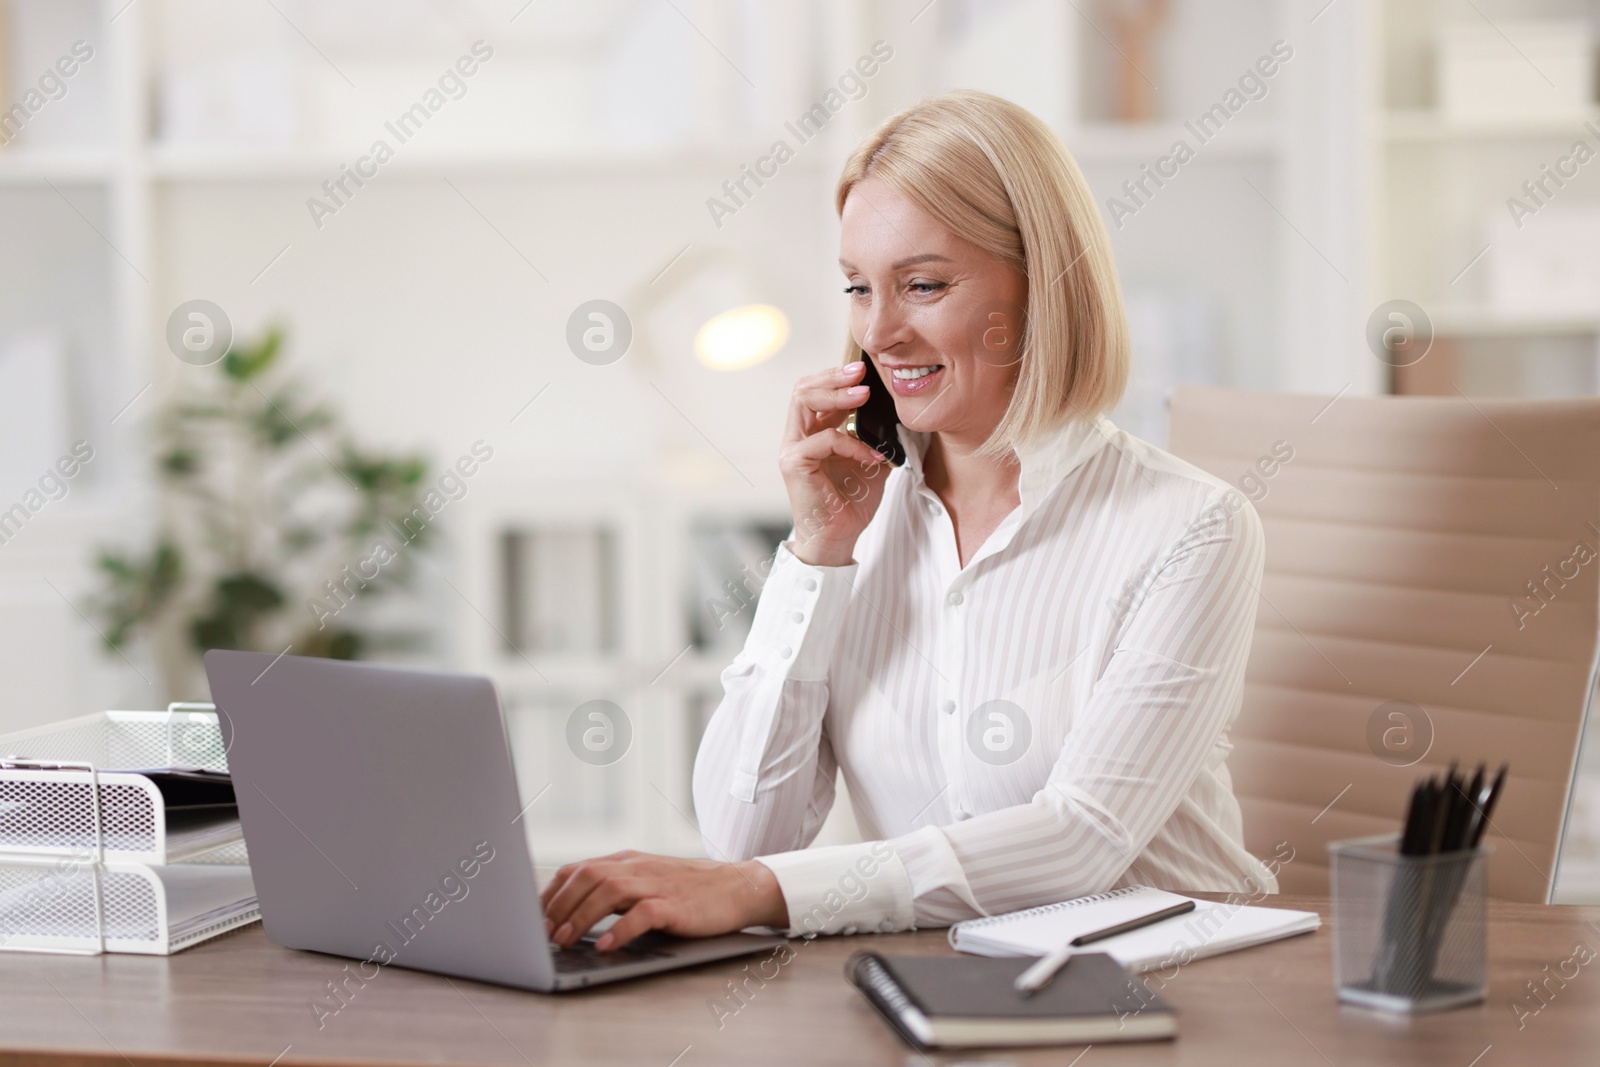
(1038, 976)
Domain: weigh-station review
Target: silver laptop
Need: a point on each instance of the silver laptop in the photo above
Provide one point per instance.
(381, 813)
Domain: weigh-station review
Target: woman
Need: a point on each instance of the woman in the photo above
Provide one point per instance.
(1024, 647)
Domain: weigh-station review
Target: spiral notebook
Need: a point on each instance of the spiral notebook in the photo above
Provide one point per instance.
(1212, 928)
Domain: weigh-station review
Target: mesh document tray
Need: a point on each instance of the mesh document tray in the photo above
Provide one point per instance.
(71, 904)
(89, 857)
(50, 810)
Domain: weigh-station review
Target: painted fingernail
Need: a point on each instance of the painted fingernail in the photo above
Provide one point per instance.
(604, 944)
(857, 390)
(857, 365)
(564, 932)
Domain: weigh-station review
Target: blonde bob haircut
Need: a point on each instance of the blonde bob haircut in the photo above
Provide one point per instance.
(993, 174)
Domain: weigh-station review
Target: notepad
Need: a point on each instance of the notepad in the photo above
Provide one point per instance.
(1212, 928)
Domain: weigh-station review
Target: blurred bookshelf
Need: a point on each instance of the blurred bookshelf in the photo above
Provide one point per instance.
(1468, 108)
(178, 155)
(1426, 124)
(192, 120)
(624, 592)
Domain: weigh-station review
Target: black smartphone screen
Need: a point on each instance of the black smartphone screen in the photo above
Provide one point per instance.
(876, 420)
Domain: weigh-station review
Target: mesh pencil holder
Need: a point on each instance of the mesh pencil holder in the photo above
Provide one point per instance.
(1408, 931)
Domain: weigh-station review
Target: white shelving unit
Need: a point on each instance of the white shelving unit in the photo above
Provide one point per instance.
(423, 316)
(76, 263)
(1263, 225)
(654, 674)
(1436, 186)
(1401, 125)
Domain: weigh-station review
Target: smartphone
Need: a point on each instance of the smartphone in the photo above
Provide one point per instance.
(875, 423)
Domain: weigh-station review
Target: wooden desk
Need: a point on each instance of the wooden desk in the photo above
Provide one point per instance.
(242, 1000)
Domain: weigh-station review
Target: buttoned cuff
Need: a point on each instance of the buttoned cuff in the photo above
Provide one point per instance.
(799, 616)
(844, 889)
(933, 869)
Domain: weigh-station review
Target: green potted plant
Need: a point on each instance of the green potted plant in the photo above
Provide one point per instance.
(270, 518)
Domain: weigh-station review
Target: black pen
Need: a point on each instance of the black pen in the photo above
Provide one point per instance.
(1488, 805)
(1411, 839)
(1475, 796)
(1039, 975)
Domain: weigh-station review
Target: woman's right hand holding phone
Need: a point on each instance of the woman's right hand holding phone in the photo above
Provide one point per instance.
(834, 481)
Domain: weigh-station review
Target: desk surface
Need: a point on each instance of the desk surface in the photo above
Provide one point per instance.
(242, 1000)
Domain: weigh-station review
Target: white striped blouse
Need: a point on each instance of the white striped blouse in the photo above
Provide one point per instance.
(1048, 721)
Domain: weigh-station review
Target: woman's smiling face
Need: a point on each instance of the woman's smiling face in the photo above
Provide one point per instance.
(937, 316)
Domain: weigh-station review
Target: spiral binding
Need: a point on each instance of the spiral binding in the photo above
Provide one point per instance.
(875, 974)
(1043, 909)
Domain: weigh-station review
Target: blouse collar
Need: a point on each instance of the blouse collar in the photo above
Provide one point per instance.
(1045, 460)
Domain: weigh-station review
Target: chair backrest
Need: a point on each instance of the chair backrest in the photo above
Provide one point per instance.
(1430, 595)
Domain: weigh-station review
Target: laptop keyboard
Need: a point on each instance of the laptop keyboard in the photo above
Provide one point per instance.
(585, 957)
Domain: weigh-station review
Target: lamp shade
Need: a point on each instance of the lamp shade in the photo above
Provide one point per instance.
(741, 337)
(717, 303)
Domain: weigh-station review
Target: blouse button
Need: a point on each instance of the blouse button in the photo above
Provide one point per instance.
(809, 584)
(786, 651)
(886, 927)
(797, 616)
(949, 707)
(955, 598)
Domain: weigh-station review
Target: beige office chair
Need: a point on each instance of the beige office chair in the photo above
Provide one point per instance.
(1425, 599)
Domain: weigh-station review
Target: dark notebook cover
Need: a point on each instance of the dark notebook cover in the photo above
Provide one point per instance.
(189, 787)
(1092, 989)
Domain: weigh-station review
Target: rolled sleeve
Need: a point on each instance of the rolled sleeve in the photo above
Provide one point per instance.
(844, 889)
